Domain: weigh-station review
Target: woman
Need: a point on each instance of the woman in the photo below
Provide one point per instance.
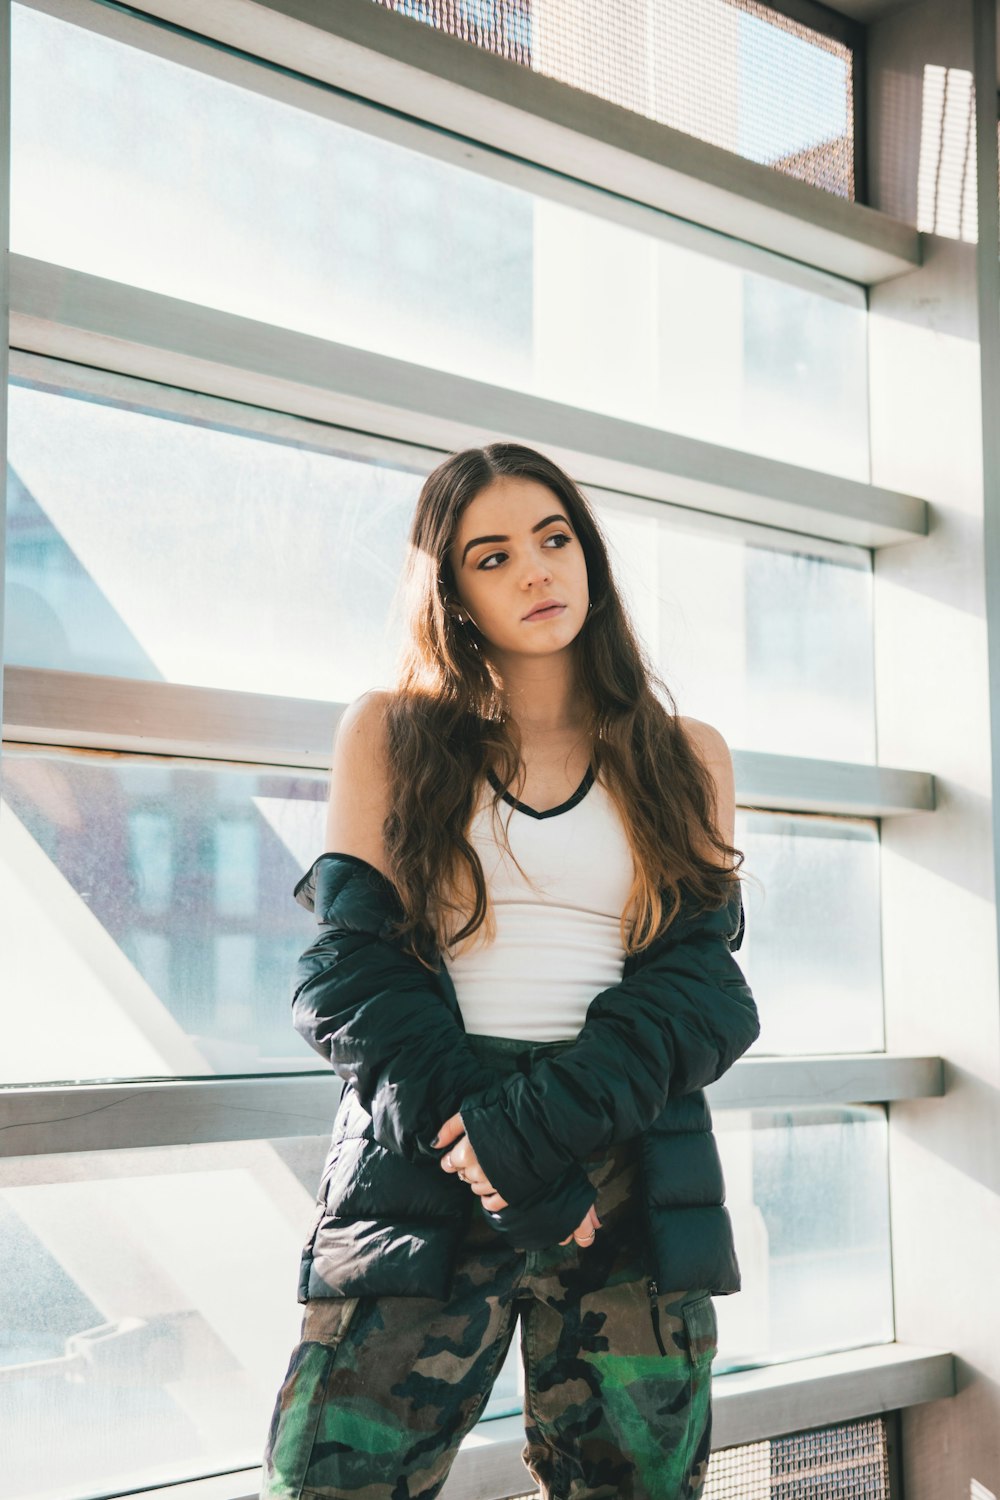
(524, 978)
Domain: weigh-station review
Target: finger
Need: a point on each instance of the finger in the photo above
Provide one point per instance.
(452, 1128)
(495, 1203)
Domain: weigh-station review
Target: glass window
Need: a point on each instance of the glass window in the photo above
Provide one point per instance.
(143, 171)
(771, 644)
(147, 1310)
(161, 960)
(140, 545)
(130, 1359)
(812, 951)
(161, 898)
(808, 1194)
(733, 72)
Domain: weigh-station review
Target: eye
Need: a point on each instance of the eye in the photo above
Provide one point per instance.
(559, 536)
(481, 564)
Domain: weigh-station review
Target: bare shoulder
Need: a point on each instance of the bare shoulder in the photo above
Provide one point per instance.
(717, 758)
(708, 741)
(359, 781)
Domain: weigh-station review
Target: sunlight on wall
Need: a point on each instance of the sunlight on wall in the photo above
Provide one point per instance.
(946, 181)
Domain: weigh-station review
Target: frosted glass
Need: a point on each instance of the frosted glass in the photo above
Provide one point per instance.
(142, 546)
(147, 1311)
(808, 1193)
(142, 171)
(161, 897)
(812, 950)
(198, 539)
(773, 647)
(128, 1358)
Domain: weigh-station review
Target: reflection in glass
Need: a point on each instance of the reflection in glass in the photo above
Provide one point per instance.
(260, 208)
(142, 546)
(173, 953)
(220, 558)
(161, 898)
(149, 1311)
(808, 1193)
(128, 1357)
(812, 950)
(772, 646)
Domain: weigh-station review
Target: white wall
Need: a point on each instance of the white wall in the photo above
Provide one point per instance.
(933, 712)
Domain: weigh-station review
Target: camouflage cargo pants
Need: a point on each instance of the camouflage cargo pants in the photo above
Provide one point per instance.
(380, 1391)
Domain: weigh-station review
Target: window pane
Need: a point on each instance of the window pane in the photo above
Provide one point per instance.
(733, 72)
(808, 1193)
(200, 537)
(161, 896)
(141, 546)
(129, 1358)
(812, 951)
(143, 171)
(148, 1311)
(772, 646)
(163, 960)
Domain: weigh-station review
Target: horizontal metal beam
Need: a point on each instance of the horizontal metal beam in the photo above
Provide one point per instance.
(86, 712)
(798, 783)
(81, 711)
(48, 1118)
(746, 1408)
(795, 1396)
(42, 1119)
(418, 70)
(71, 315)
(845, 1078)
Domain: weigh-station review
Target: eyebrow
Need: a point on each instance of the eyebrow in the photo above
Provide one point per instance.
(477, 539)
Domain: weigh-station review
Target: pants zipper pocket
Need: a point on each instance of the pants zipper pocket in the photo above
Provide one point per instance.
(654, 1309)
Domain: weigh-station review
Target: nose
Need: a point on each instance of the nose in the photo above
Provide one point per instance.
(538, 571)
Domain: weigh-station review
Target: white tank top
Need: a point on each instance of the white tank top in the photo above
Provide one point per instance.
(558, 945)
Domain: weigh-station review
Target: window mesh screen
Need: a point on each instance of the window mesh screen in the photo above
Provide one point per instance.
(848, 1462)
(731, 72)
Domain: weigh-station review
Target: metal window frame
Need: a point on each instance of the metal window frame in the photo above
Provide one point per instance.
(75, 710)
(418, 75)
(73, 316)
(50, 1119)
(4, 303)
(748, 1407)
(108, 386)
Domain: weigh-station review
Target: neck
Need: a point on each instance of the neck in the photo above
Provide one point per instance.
(542, 694)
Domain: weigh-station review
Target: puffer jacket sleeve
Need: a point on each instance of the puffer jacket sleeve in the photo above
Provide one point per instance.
(673, 1025)
(376, 1014)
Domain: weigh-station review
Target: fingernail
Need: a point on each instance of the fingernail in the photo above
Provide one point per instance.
(436, 1139)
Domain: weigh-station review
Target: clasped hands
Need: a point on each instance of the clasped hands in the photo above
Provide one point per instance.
(462, 1159)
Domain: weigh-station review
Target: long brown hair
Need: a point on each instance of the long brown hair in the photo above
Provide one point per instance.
(447, 722)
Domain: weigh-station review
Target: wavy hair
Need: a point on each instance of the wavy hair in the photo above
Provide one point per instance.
(448, 722)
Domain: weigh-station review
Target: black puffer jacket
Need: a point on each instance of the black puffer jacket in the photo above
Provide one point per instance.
(389, 1221)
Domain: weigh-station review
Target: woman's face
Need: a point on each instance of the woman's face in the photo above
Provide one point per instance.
(516, 549)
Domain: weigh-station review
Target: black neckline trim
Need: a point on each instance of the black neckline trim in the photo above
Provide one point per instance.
(550, 812)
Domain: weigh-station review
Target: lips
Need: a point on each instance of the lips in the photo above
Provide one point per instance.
(548, 608)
